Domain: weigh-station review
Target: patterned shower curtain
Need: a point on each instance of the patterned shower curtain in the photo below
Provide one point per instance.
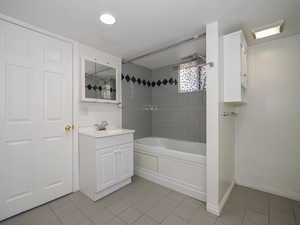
(202, 78)
(191, 77)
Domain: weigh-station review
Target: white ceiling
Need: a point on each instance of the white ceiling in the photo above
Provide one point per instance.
(144, 25)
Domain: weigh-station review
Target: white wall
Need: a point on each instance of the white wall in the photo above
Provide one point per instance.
(90, 113)
(226, 137)
(268, 135)
(212, 119)
(220, 156)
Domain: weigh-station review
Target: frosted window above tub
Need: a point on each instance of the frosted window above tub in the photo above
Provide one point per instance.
(191, 78)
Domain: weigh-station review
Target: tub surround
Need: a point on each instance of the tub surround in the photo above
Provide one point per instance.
(180, 115)
(135, 97)
(176, 115)
(179, 165)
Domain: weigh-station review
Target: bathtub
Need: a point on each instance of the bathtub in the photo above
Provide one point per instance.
(178, 165)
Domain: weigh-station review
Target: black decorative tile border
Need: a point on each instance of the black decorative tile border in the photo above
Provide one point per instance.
(149, 83)
(98, 88)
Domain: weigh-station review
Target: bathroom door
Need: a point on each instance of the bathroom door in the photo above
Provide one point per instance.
(35, 109)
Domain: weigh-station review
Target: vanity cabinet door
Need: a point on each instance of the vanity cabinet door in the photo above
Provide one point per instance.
(124, 161)
(106, 168)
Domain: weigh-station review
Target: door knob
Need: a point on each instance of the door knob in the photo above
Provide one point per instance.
(68, 127)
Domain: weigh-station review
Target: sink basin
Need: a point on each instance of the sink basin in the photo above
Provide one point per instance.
(103, 133)
(110, 131)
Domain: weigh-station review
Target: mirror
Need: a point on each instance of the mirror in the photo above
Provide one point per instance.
(99, 81)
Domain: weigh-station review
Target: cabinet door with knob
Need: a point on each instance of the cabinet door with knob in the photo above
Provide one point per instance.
(124, 161)
(106, 162)
(235, 67)
(106, 167)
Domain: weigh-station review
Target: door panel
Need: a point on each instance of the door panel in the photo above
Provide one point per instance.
(124, 161)
(17, 46)
(106, 168)
(54, 160)
(18, 93)
(128, 158)
(54, 88)
(35, 105)
(19, 185)
(54, 57)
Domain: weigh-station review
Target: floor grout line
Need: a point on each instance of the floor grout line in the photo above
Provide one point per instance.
(294, 213)
(89, 219)
(58, 218)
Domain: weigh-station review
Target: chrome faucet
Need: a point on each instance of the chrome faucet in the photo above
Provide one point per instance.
(101, 126)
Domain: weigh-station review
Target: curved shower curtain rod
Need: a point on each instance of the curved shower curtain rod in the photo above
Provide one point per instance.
(194, 38)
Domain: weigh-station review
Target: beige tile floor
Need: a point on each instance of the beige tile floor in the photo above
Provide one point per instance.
(146, 203)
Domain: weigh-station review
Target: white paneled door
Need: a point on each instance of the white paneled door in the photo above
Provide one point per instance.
(35, 107)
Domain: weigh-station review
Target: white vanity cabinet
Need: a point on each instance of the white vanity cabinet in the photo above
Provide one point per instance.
(106, 162)
(235, 67)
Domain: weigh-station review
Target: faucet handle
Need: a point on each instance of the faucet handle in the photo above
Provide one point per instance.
(104, 123)
(101, 126)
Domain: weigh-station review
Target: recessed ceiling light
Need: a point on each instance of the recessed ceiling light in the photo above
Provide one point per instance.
(269, 30)
(107, 19)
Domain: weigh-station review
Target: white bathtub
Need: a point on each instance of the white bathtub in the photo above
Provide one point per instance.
(178, 165)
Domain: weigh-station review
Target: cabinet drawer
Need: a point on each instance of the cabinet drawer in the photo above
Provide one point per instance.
(113, 140)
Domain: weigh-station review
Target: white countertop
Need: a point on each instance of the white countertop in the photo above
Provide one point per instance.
(92, 132)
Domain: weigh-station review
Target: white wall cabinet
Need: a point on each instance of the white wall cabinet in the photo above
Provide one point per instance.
(235, 67)
(106, 163)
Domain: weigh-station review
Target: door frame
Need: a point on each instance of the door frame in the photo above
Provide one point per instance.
(75, 89)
